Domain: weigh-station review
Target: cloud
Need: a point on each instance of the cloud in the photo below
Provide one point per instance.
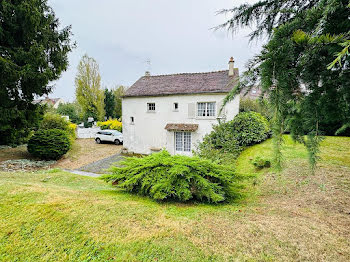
(122, 35)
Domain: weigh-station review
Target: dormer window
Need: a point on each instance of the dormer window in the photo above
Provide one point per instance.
(151, 107)
(206, 109)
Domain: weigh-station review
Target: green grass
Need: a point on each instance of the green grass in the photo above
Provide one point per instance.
(288, 216)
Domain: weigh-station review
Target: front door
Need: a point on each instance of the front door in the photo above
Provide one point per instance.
(183, 143)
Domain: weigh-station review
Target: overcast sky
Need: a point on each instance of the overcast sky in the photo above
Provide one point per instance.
(176, 36)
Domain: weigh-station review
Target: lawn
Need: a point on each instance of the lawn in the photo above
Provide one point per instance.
(288, 216)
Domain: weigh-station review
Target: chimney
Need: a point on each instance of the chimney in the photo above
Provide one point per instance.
(231, 70)
(147, 73)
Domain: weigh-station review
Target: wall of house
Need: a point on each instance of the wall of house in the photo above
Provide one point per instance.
(148, 133)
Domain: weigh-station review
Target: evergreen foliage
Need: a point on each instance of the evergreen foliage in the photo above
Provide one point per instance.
(55, 121)
(33, 52)
(307, 98)
(181, 178)
(49, 144)
(110, 103)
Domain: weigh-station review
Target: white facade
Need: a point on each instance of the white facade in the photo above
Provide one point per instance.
(144, 131)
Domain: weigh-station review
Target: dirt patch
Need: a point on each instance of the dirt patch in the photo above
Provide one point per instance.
(86, 151)
(15, 153)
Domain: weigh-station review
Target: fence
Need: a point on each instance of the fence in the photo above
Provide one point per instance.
(87, 132)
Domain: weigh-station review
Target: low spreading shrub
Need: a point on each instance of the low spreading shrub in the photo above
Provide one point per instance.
(111, 124)
(260, 162)
(182, 178)
(49, 144)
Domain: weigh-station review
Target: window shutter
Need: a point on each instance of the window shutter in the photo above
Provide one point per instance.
(191, 110)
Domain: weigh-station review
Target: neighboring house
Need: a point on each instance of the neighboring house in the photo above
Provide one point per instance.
(254, 93)
(175, 112)
(54, 102)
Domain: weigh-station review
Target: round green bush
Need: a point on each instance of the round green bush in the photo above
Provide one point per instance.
(49, 144)
(250, 128)
(181, 178)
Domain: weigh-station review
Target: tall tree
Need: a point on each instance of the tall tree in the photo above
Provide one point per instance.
(118, 94)
(308, 98)
(110, 103)
(89, 93)
(33, 52)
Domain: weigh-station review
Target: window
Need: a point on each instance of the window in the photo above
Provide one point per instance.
(151, 107)
(183, 141)
(206, 109)
(132, 120)
(176, 106)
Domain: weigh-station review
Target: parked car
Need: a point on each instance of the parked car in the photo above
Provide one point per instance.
(109, 136)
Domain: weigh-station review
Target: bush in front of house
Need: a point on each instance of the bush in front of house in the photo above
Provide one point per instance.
(181, 178)
(49, 144)
(250, 128)
(227, 140)
(113, 124)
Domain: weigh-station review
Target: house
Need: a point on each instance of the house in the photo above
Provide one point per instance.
(254, 93)
(54, 102)
(174, 112)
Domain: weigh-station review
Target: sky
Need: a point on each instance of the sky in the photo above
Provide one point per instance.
(175, 36)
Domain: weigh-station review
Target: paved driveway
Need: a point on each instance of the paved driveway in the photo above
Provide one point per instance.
(101, 166)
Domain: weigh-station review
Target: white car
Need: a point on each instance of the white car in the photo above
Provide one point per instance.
(109, 136)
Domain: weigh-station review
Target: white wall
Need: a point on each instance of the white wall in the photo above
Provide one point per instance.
(148, 130)
(87, 132)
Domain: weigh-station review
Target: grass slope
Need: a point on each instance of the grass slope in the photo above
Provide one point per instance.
(291, 216)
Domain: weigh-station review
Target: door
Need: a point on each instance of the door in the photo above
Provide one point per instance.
(183, 143)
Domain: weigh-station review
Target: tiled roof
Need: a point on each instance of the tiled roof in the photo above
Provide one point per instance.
(181, 127)
(187, 83)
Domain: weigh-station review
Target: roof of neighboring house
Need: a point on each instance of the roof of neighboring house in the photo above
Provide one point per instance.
(254, 93)
(186, 83)
(181, 127)
(47, 100)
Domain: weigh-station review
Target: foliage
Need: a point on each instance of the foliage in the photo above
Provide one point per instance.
(250, 128)
(228, 139)
(182, 178)
(89, 93)
(307, 98)
(256, 105)
(110, 103)
(111, 124)
(260, 162)
(72, 110)
(118, 94)
(49, 144)
(55, 121)
(33, 52)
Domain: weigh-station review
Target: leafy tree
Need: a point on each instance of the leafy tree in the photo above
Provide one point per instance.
(110, 103)
(89, 93)
(72, 110)
(33, 52)
(118, 94)
(307, 98)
